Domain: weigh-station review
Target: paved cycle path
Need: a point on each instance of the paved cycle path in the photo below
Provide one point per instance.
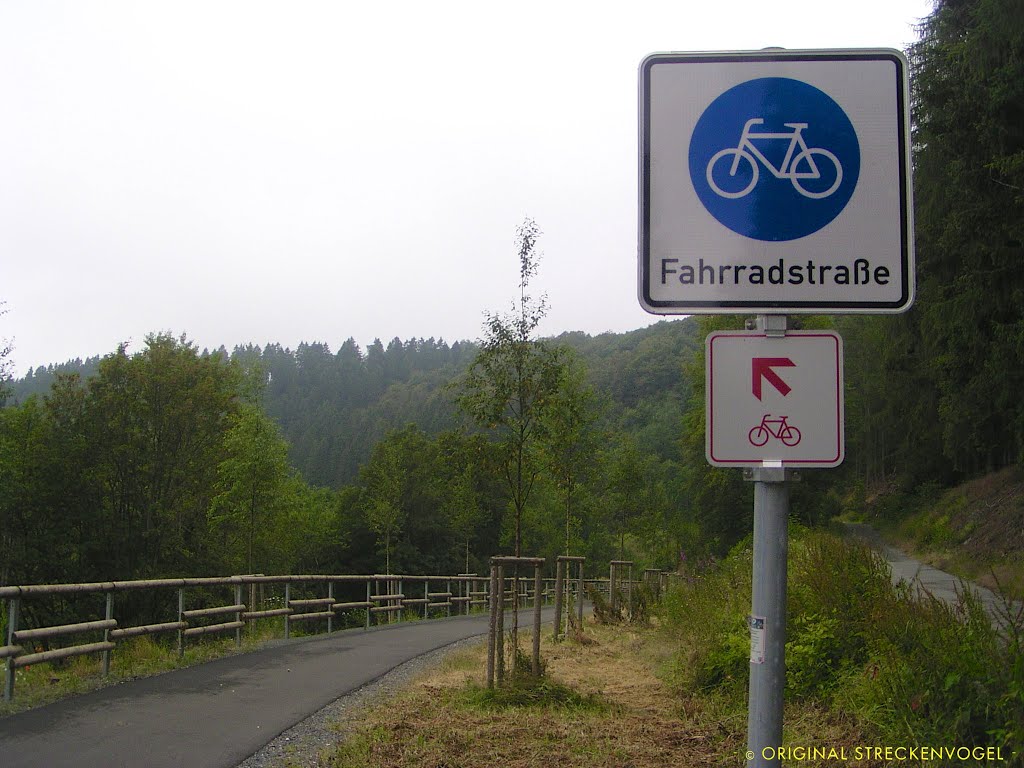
(217, 714)
(944, 586)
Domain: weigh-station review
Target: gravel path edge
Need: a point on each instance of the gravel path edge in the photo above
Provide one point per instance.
(303, 743)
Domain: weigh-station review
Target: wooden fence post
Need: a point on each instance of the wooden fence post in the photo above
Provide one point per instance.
(492, 626)
(499, 649)
(537, 598)
(559, 586)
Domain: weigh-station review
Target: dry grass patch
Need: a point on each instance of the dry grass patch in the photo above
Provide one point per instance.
(603, 706)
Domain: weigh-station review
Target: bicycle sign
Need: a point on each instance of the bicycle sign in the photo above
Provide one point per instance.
(775, 180)
(808, 185)
(778, 428)
(796, 166)
(774, 399)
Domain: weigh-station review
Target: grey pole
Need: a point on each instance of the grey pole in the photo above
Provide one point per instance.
(108, 615)
(330, 618)
(768, 678)
(12, 627)
(369, 605)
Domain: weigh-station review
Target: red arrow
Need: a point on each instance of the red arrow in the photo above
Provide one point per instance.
(762, 367)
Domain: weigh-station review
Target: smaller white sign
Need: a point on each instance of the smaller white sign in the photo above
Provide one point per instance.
(774, 399)
(756, 639)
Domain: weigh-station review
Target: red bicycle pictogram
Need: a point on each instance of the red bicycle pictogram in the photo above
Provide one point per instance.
(778, 428)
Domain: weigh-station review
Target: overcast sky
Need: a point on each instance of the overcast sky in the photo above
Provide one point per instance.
(309, 171)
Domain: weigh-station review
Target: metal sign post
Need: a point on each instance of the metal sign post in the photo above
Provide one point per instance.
(768, 601)
(768, 615)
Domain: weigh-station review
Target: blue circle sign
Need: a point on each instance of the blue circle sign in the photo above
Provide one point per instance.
(774, 159)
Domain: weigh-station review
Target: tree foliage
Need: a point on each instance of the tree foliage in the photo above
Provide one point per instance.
(512, 381)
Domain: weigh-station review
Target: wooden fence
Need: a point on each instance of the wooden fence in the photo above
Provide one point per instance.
(385, 596)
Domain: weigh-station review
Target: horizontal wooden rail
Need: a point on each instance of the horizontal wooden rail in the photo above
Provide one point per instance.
(385, 608)
(267, 614)
(63, 629)
(439, 605)
(225, 627)
(199, 613)
(10, 650)
(415, 601)
(310, 603)
(382, 598)
(347, 606)
(439, 594)
(147, 629)
(61, 653)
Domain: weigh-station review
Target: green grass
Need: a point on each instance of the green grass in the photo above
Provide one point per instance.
(909, 670)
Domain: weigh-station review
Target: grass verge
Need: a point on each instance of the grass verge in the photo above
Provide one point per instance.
(869, 669)
(600, 704)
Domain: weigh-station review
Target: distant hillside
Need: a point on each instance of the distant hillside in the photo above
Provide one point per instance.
(333, 406)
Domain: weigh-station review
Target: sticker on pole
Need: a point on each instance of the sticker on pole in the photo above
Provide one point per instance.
(756, 639)
(774, 159)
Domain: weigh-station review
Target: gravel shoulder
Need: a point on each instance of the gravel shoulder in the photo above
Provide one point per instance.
(302, 744)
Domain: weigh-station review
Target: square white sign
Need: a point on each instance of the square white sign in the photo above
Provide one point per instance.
(775, 181)
(774, 399)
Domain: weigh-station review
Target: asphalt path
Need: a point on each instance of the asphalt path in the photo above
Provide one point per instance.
(217, 714)
(944, 586)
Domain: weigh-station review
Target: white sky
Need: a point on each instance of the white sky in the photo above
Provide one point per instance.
(309, 171)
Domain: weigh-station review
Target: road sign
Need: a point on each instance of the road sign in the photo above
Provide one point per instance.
(775, 181)
(774, 399)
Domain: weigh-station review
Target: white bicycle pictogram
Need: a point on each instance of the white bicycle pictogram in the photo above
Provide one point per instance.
(798, 152)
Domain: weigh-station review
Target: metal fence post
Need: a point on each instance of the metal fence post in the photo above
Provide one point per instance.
(611, 586)
(287, 617)
(12, 627)
(108, 615)
(330, 619)
(238, 615)
(181, 619)
(426, 598)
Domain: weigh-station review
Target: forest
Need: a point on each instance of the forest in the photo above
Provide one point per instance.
(421, 456)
